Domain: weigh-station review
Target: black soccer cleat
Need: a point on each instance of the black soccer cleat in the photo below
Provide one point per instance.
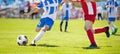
(32, 44)
(93, 46)
(107, 32)
(61, 30)
(65, 31)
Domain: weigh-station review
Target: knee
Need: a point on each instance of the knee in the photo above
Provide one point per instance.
(87, 28)
(45, 28)
(37, 30)
(88, 25)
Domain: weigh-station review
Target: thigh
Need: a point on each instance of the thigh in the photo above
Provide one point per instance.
(38, 29)
(90, 18)
(49, 22)
(88, 25)
(41, 23)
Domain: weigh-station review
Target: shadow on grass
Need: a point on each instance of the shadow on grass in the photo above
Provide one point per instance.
(91, 48)
(88, 47)
(95, 47)
(116, 34)
(66, 31)
(47, 45)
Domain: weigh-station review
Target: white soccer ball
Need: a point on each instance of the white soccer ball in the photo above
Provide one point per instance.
(22, 40)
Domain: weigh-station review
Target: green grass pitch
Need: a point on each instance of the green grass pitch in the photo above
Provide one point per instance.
(75, 41)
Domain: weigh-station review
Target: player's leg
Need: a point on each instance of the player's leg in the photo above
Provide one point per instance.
(66, 26)
(98, 16)
(66, 23)
(47, 26)
(89, 31)
(101, 30)
(101, 16)
(61, 23)
(39, 35)
(40, 32)
(113, 27)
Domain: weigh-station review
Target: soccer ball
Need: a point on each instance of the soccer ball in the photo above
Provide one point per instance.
(22, 40)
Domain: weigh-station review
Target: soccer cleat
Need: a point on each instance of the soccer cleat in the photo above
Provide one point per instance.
(65, 31)
(107, 32)
(93, 46)
(61, 30)
(32, 44)
(115, 30)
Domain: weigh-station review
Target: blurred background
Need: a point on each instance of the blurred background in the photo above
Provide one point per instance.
(16, 9)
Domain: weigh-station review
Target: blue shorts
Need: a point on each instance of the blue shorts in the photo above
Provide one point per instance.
(111, 19)
(65, 18)
(45, 21)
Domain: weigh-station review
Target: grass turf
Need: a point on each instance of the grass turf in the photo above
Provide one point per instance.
(74, 41)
